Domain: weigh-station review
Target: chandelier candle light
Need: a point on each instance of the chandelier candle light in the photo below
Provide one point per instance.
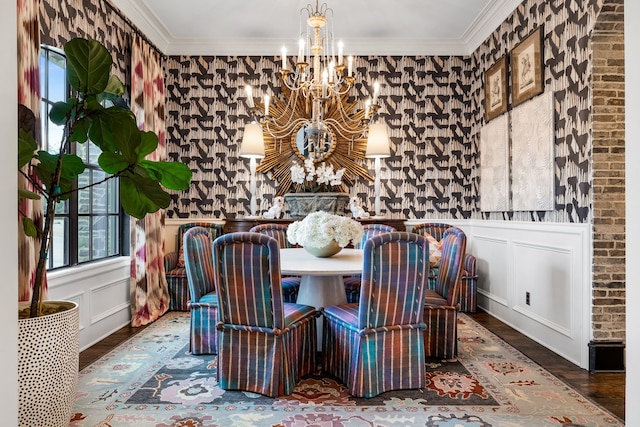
(314, 113)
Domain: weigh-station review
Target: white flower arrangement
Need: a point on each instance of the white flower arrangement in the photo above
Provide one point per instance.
(318, 229)
(312, 178)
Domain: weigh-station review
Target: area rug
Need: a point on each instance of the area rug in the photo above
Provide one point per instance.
(152, 380)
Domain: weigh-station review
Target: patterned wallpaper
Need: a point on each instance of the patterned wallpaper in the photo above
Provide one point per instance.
(568, 26)
(432, 105)
(422, 101)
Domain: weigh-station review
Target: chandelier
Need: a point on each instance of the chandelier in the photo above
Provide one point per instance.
(314, 116)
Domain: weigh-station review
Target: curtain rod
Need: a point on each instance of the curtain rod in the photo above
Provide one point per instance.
(134, 28)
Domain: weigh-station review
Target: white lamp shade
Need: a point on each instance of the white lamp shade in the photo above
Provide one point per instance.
(378, 141)
(252, 142)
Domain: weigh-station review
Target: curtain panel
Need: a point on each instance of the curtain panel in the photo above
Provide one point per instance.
(29, 95)
(149, 290)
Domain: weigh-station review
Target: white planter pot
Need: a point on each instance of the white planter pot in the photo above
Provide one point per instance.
(48, 366)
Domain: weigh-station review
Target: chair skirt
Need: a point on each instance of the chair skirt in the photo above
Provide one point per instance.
(203, 336)
(263, 362)
(353, 355)
(440, 337)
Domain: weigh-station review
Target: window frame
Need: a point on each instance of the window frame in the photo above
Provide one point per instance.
(74, 251)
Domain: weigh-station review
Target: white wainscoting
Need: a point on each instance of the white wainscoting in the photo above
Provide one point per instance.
(551, 262)
(102, 291)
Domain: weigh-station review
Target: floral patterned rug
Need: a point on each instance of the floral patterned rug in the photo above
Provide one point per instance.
(152, 380)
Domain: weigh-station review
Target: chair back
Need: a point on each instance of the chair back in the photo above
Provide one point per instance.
(435, 229)
(371, 230)
(454, 245)
(277, 231)
(246, 270)
(214, 229)
(198, 261)
(394, 280)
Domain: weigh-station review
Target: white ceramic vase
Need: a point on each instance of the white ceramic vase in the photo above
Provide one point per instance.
(325, 252)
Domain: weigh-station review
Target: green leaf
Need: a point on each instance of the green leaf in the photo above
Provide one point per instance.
(88, 65)
(107, 128)
(28, 227)
(26, 194)
(27, 146)
(140, 196)
(72, 166)
(60, 111)
(148, 144)
(112, 163)
(172, 175)
(81, 129)
(115, 87)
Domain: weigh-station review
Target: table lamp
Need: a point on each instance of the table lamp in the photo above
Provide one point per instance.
(377, 148)
(252, 147)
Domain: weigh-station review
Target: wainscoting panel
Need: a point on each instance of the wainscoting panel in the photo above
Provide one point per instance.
(536, 277)
(102, 291)
(494, 285)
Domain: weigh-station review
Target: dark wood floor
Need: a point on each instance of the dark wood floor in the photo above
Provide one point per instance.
(606, 389)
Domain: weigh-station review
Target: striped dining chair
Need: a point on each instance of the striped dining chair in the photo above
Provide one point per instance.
(265, 345)
(377, 345)
(203, 302)
(290, 284)
(441, 303)
(352, 283)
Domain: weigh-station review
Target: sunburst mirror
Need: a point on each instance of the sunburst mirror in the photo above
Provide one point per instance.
(337, 148)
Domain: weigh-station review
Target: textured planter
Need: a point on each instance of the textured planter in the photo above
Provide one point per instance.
(302, 204)
(48, 366)
(325, 252)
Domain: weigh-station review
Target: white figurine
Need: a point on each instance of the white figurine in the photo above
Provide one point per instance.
(275, 211)
(356, 208)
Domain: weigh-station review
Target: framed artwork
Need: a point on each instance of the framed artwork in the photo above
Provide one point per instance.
(532, 155)
(494, 165)
(526, 68)
(495, 89)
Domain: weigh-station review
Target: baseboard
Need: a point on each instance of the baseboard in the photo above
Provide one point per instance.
(606, 356)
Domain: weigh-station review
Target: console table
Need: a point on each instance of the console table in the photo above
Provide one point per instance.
(232, 225)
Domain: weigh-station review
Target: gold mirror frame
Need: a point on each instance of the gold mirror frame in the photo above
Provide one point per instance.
(280, 153)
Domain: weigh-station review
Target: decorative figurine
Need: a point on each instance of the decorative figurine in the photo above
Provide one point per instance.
(356, 208)
(275, 211)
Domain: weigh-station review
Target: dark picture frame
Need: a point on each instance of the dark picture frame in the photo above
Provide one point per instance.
(495, 89)
(527, 77)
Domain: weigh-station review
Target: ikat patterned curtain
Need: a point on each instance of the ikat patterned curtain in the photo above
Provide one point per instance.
(28, 95)
(149, 291)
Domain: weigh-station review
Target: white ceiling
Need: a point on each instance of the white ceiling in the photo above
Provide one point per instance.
(367, 27)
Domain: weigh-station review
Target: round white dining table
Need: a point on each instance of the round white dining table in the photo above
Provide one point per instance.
(321, 283)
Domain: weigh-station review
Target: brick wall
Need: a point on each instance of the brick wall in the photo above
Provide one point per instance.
(608, 174)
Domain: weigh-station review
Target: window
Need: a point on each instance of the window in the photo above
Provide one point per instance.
(90, 225)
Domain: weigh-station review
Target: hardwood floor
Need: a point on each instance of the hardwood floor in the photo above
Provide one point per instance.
(606, 389)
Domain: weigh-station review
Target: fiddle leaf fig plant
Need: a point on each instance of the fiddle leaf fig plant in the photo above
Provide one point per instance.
(53, 174)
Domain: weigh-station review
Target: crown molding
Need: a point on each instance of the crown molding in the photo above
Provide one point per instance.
(271, 47)
(148, 23)
(487, 22)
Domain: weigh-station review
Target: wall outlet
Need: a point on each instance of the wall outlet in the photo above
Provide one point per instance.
(527, 298)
